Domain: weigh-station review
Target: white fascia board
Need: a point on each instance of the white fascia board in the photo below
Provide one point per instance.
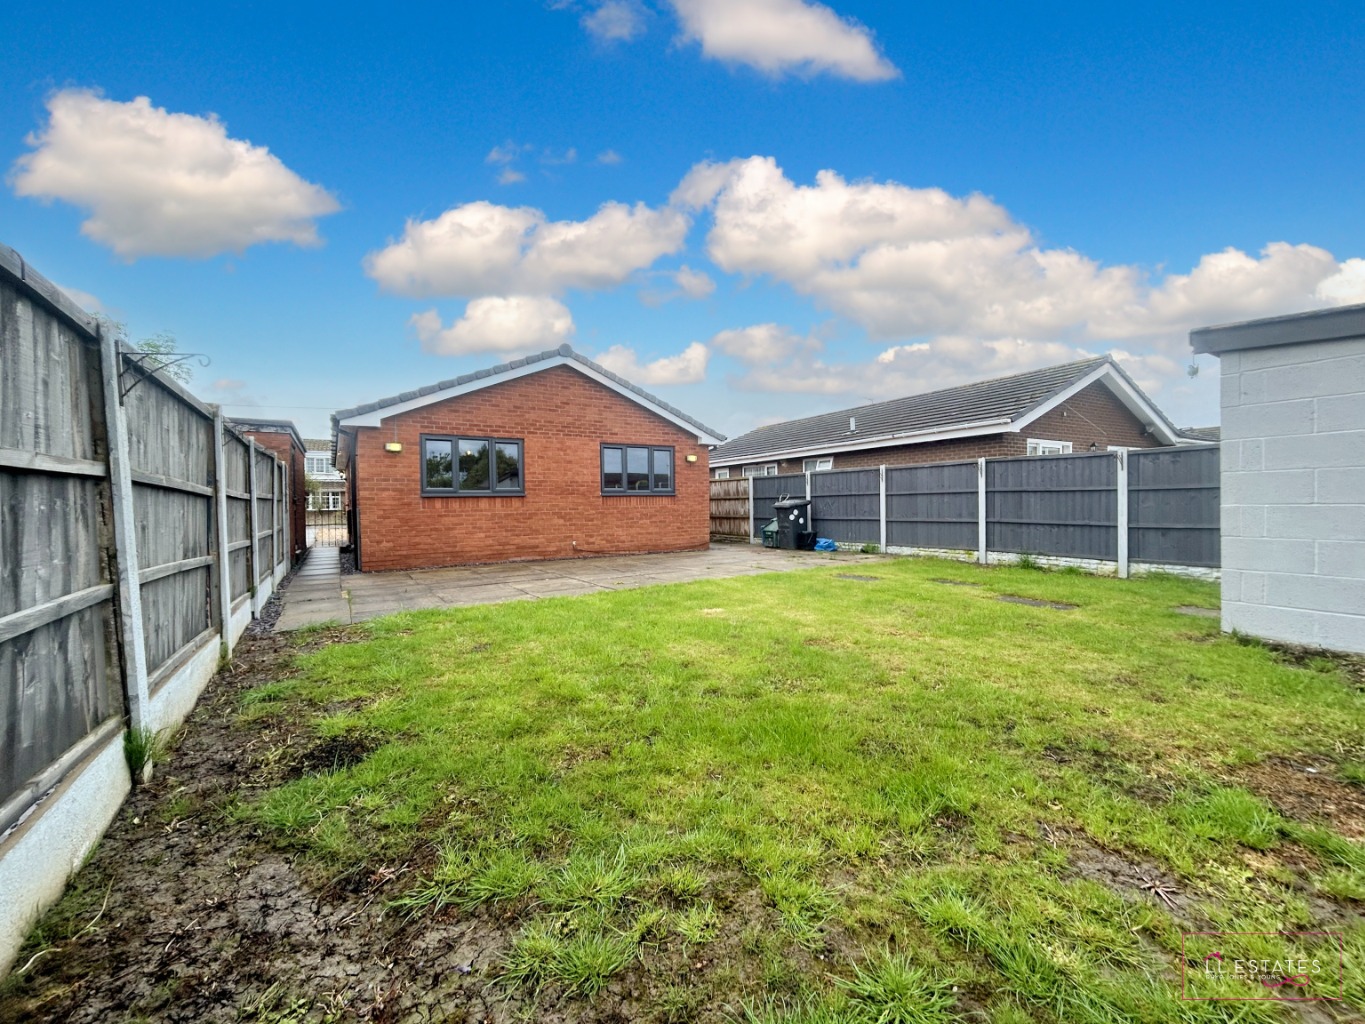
(1132, 399)
(995, 426)
(377, 416)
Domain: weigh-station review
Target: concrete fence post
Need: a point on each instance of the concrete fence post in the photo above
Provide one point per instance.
(1122, 517)
(881, 514)
(255, 567)
(220, 506)
(812, 511)
(981, 511)
(751, 508)
(128, 590)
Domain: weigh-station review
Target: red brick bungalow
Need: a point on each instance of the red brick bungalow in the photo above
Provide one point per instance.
(1090, 405)
(551, 456)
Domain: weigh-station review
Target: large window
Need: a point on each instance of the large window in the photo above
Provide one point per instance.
(628, 469)
(471, 466)
(769, 469)
(318, 465)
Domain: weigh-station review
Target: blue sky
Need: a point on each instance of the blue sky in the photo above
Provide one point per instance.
(870, 199)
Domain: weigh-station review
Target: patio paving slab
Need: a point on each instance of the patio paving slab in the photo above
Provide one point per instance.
(319, 593)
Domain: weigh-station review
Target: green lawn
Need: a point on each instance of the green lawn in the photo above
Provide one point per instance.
(799, 797)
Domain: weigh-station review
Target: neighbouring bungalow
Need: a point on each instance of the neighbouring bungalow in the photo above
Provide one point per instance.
(551, 456)
(1091, 405)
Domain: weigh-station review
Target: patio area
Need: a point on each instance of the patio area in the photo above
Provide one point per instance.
(320, 593)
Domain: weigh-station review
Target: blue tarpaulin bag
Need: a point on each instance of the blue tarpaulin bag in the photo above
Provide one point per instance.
(825, 544)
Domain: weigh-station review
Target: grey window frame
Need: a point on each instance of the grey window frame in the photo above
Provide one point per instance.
(454, 490)
(623, 491)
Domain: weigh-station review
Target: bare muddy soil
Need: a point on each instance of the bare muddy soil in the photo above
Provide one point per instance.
(204, 920)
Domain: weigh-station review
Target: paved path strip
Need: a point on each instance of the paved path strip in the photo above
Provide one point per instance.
(314, 594)
(319, 593)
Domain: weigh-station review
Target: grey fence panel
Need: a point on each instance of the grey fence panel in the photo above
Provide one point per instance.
(171, 446)
(1063, 505)
(236, 473)
(932, 506)
(265, 515)
(1173, 506)
(50, 397)
(846, 505)
(58, 678)
(768, 489)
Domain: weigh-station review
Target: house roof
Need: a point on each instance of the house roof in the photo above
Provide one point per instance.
(370, 414)
(317, 444)
(267, 427)
(1202, 433)
(985, 407)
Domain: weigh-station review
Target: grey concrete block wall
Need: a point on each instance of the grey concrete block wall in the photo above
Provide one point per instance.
(1293, 515)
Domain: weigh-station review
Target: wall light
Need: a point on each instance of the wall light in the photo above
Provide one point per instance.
(393, 446)
(691, 458)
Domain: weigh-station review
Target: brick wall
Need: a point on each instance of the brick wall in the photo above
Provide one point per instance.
(562, 418)
(1092, 416)
(288, 452)
(1293, 473)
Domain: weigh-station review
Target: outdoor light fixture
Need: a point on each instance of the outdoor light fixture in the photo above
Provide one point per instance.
(393, 446)
(691, 458)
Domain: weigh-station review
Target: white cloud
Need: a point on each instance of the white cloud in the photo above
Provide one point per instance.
(615, 21)
(510, 176)
(164, 184)
(687, 367)
(910, 263)
(765, 344)
(1346, 286)
(507, 153)
(783, 36)
(508, 324)
(609, 158)
(485, 249)
(695, 284)
(228, 385)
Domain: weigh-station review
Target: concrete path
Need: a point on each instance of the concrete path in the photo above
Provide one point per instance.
(319, 593)
(315, 594)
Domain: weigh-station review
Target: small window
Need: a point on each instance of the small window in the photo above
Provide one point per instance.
(471, 466)
(1039, 447)
(723, 474)
(769, 469)
(317, 465)
(635, 469)
(817, 465)
(331, 501)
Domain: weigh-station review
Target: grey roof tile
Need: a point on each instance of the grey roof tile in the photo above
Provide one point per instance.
(1004, 398)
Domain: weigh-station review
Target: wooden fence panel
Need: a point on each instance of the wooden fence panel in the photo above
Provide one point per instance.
(768, 489)
(237, 476)
(932, 506)
(1173, 506)
(265, 513)
(1064, 505)
(171, 438)
(730, 508)
(57, 683)
(846, 505)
